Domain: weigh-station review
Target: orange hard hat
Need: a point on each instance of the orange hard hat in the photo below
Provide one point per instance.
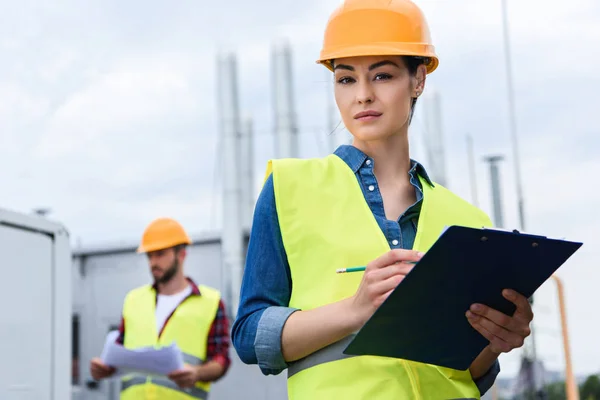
(163, 233)
(378, 28)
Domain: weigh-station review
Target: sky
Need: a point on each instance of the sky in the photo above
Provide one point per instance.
(109, 116)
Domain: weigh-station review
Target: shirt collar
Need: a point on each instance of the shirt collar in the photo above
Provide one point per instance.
(195, 289)
(355, 159)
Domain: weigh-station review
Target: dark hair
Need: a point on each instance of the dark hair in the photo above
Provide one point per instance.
(179, 247)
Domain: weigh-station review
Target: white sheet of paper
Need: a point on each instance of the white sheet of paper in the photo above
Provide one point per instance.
(148, 361)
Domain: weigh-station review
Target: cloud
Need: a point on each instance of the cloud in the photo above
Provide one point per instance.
(123, 102)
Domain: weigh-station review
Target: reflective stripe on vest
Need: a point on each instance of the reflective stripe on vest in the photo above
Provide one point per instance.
(333, 352)
(327, 224)
(330, 353)
(140, 380)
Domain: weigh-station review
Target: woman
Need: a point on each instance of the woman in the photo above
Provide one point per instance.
(366, 204)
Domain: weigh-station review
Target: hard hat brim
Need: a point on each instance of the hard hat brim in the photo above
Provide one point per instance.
(382, 49)
(162, 246)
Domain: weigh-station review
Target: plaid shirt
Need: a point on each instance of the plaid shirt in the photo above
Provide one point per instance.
(217, 347)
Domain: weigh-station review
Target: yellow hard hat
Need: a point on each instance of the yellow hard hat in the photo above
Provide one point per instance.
(378, 28)
(163, 233)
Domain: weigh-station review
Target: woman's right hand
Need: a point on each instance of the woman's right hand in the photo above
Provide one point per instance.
(310, 330)
(380, 278)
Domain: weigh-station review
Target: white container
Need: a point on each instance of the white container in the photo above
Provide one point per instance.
(35, 294)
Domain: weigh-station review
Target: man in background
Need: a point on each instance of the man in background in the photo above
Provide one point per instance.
(172, 309)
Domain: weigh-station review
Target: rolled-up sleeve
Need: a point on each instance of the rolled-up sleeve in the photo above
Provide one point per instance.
(265, 292)
(267, 344)
(486, 381)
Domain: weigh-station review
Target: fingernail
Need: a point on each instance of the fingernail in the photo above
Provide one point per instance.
(471, 316)
(420, 254)
(476, 307)
(509, 293)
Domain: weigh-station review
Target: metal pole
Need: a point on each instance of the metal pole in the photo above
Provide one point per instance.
(531, 349)
(434, 138)
(512, 116)
(286, 128)
(496, 193)
(246, 179)
(232, 241)
(571, 384)
(471, 155)
(249, 172)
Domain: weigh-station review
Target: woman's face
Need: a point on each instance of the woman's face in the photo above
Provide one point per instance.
(374, 95)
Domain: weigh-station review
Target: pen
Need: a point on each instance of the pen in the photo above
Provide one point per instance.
(358, 269)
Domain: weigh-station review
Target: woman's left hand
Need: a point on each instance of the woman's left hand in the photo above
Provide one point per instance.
(504, 333)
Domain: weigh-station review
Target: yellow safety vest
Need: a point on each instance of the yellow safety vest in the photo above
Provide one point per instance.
(188, 327)
(327, 224)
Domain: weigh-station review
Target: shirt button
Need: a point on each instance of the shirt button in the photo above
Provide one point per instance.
(368, 162)
(371, 188)
(395, 242)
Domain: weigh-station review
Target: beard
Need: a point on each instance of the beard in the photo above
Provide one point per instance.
(168, 274)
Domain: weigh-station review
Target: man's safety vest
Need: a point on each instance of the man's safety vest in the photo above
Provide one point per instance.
(327, 224)
(188, 327)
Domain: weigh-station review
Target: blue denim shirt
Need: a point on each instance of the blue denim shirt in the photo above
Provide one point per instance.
(266, 285)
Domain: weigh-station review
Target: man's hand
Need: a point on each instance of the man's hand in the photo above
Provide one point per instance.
(504, 333)
(99, 370)
(185, 377)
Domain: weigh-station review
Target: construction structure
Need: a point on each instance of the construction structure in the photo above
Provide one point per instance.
(434, 137)
(536, 385)
(286, 125)
(231, 134)
(248, 196)
(472, 173)
(495, 189)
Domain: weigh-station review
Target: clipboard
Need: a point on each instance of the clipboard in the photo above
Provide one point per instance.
(424, 320)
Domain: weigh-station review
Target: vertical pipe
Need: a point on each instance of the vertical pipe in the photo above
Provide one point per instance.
(439, 139)
(247, 177)
(434, 139)
(286, 130)
(496, 191)
(231, 244)
(473, 177)
(512, 114)
(530, 346)
(243, 161)
(571, 384)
